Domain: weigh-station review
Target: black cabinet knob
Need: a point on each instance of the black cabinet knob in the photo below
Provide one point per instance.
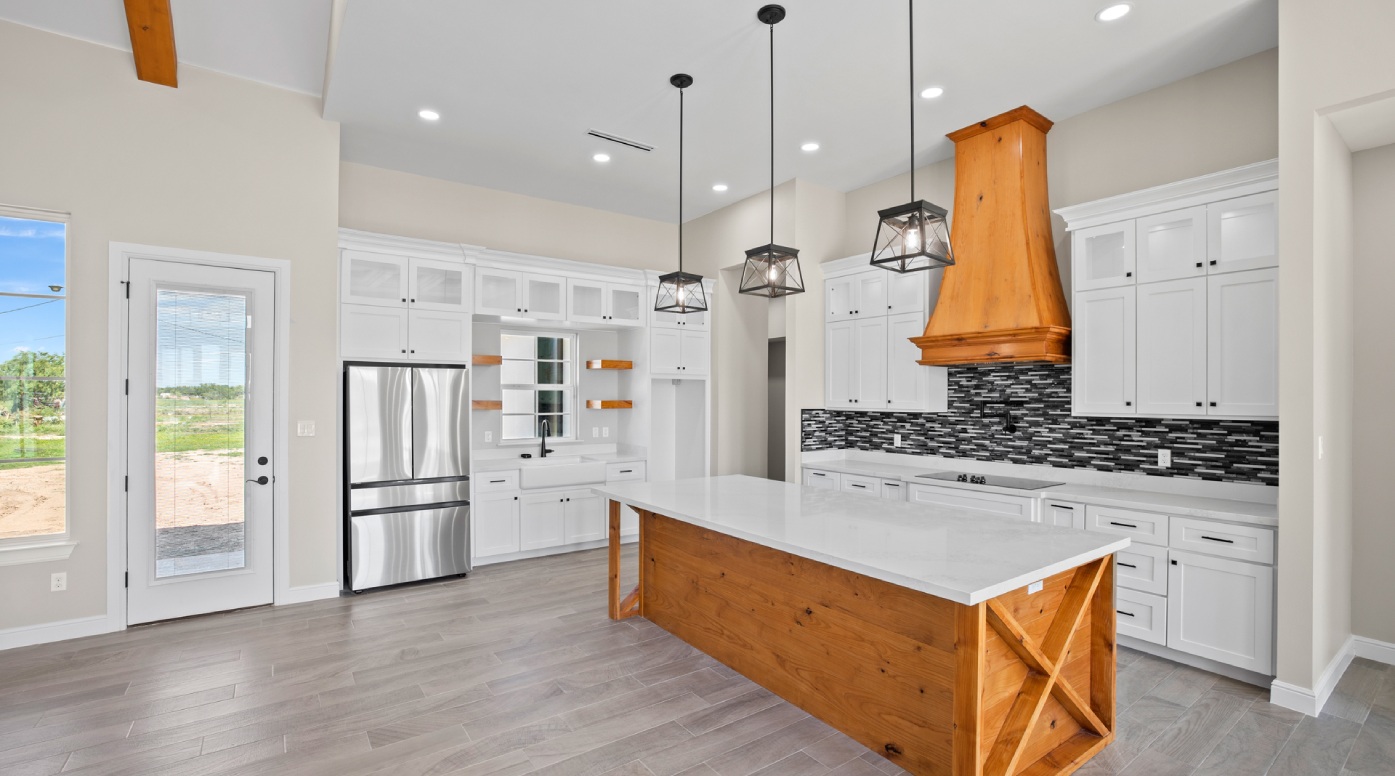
(1214, 262)
(1128, 404)
(1128, 274)
(1213, 404)
(1198, 404)
(1198, 265)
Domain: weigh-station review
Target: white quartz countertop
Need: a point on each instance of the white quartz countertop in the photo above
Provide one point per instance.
(961, 556)
(1251, 512)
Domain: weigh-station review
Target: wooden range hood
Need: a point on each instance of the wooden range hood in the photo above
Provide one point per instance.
(1002, 300)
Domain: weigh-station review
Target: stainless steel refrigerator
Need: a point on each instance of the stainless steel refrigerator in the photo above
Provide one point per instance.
(407, 466)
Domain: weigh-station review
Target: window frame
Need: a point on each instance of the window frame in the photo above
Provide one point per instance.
(568, 388)
(52, 546)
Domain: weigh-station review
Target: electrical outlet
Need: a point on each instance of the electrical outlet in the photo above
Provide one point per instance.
(305, 428)
(895, 440)
(489, 436)
(58, 582)
(605, 432)
(1164, 458)
(1035, 587)
(595, 432)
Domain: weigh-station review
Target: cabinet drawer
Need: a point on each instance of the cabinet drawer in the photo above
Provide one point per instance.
(977, 501)
(1145, 527)
(622, 472)
(1140, 615)
(893, 490)
(1142, 567)
(1241, 542)
(496, 482)
(823, 480)
(866, 486)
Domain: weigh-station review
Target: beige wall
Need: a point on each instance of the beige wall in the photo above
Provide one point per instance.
(1216, 120)
(1373, 532)
(407, 205)
(219, 164)
(1326, 60)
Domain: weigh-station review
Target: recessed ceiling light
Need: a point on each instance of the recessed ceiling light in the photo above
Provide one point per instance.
(932, 92)
(428, 114)
(809, 147)
(1114, 12)
(601, 157)
(719, 187)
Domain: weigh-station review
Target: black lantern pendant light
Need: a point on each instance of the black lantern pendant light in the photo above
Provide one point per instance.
(680, 292)
(772, 270)
(913, 236)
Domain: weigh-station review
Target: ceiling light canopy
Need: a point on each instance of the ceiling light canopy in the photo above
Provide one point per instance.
(603, 158)
(680, 292)
(428, 114)
(913, 236)
(1114, 12)
(772, 270)
(932, 92)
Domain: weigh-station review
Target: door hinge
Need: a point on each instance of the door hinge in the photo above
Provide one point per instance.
(126, 486)
(127, 581)
(128, 386)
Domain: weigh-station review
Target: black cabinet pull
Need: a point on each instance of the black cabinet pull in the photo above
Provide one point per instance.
(1214, 262)
(1126, 614)
(1199, 265)
(1198, 404)
(414, 301)
(496, 482)
(1122, 525)
(627, 471)
(818, 474)
(1063, 506)
(1128, 274)
(1213, 404)
(1174, 563)
(1128, 404)
(1217, 539)
(1126, 565)
(853, 485)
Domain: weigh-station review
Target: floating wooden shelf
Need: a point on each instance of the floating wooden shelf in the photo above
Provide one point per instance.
(605, 363)
(609, 404)
(486, 360)
(486, 404)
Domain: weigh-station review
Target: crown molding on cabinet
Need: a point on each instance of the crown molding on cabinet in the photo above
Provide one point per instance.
(1237, 182)
(354, 239)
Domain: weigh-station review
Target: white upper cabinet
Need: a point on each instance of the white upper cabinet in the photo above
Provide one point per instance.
(839, 298)
(909, 292)
(1104, 371)
(869, 345)
(839, 367)
(688, 321)
(370, 331)
(594, 301)
(695, 350)
(498, 292)
(1243, 343)
(1172, 347)
(679, 352)
(1104, 256)
(374, 278)
(860, 295)
(439, 285)
(438, 336)
(1172, 245)
(544, 297)
(1243, 233)
(910, 387)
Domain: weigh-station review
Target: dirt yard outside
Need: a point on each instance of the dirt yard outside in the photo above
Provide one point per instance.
(206, 486)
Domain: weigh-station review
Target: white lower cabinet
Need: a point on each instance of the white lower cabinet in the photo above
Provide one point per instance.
(862, 485)
(495, 520)
(1023, 507)
(1142, 567)
(584, 516)
(1221, 609)
(823, 480)
(1140, 615)
(893, 490)
(542, 521)
(1064, 514)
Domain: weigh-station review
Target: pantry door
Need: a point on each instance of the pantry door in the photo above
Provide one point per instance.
(199, 436)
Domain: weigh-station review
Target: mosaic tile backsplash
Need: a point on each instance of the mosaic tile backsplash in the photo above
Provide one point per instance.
(1035, 400)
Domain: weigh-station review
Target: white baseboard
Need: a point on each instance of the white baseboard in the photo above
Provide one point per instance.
(1310, 702)
(1379, 651)
(305, 593)
(62, 630)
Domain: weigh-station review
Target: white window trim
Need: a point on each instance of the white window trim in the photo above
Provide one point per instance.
(573, 385)
(44, 548)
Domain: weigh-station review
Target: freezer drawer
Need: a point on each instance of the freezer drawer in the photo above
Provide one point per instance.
(394, 547)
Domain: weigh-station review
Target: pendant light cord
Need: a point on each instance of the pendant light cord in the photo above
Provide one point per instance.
(772, 140)
(680, 180)
(910, 31)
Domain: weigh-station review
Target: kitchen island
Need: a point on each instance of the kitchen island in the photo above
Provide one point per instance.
(949, 642)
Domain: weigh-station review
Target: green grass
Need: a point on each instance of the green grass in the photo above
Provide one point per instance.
(182, 426)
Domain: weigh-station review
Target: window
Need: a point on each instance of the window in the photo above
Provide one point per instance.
(538, 379)
(33, 395)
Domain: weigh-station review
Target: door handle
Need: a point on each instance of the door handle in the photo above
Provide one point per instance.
(262, 480)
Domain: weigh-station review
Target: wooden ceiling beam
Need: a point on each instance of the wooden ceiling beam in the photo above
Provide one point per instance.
(152, 41)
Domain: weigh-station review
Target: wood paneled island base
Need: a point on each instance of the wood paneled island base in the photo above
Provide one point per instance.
(1021, 683)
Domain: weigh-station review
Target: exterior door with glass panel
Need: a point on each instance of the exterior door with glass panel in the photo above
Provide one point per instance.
(199, 435)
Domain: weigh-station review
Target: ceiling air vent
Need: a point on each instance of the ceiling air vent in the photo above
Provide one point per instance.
(624, 141)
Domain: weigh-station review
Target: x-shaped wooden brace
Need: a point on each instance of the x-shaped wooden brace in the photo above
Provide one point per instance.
(1044, 661)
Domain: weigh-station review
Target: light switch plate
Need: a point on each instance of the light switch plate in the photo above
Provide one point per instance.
(595, 432)
(895, 440)
(1164, 458)
(305, 428)
(489, 436)
(605, 432)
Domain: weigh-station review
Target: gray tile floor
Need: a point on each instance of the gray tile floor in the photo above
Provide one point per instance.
(517, 670)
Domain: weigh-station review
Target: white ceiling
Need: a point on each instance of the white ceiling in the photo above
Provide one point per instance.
(519, 83)
(277, 42)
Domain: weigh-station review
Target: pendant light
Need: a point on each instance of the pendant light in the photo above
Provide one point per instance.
(680, 292)
(772, 270)
(913, 236)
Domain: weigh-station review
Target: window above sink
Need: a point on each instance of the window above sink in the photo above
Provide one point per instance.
(538, 382)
